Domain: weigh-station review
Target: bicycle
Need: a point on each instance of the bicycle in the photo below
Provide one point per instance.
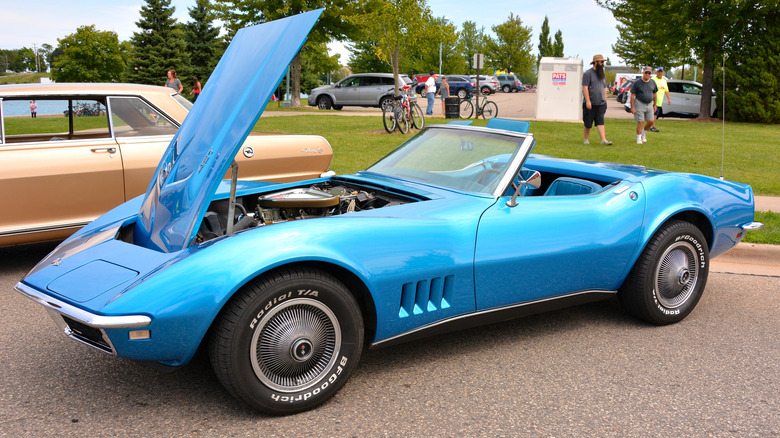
(402, 114)
(487, 110)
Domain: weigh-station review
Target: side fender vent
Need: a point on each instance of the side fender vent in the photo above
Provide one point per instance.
(426, 296)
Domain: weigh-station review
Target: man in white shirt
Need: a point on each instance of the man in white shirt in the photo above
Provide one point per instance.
(430, 90)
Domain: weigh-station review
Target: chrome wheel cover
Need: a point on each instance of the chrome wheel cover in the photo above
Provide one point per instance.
(295, 345)
(676, 275)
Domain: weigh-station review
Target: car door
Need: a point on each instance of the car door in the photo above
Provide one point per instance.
(548, 246)
(692, 98)
(59, 170)
(347, 92)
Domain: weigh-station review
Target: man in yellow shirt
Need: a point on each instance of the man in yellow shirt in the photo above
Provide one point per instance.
(663, 91)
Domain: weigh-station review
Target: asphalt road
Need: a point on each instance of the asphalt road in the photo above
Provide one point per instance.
(586, 371)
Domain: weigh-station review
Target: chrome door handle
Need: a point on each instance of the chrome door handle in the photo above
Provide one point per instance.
(109, 150)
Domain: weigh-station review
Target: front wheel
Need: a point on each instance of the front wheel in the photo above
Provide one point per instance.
(506, 88)
(324, 103)
(389, 120)
(418, 118)
(466, 109)
(287, 342)
(463, 93)
(489, 110)
(669, 278)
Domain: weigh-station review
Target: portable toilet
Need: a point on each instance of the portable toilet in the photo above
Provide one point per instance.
(559, 89)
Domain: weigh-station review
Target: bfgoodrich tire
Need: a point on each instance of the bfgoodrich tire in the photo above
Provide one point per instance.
(287, 342)
(668, 279)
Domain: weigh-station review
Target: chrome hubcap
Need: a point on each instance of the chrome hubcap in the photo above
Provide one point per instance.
(295, 344)
(676, 275)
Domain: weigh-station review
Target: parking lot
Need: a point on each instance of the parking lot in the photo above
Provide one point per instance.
(520, 105)
(585, 371)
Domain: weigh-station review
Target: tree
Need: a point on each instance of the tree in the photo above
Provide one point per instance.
(472, 41)
(545, 42)
(314, 62)
(363, 58)
(89, 55)
(202, 41)
(332, 24)
(752, 93)
(397, 28)
(666, 33)
(557, 47)
(44, 54)
(158, 46)
(25, 59)
(511, 50)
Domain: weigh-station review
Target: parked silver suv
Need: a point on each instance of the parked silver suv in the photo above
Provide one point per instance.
(487, 84)
(361, 89)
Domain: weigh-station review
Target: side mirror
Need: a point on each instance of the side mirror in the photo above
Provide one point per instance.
(527, 178)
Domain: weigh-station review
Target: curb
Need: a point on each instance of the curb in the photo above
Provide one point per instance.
(749, 258)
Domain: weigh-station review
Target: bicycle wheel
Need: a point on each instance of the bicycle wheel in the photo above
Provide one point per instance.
(466, 109)
(489, 110)
(388, 118)
(403, 120)
(418, 118)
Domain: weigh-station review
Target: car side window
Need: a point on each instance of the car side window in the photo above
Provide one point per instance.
(54, 119)
(132, 117)
(675, 87)
(354, 82)
(691, 89)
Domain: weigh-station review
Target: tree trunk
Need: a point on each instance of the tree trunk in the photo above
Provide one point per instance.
(705, 109)
(295, 81)
(395, 66)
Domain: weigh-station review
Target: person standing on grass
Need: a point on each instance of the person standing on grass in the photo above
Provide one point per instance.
(33, 109)
(594, 106)
(643, 98)
(444, 91)
(430, 94)
(663, 91)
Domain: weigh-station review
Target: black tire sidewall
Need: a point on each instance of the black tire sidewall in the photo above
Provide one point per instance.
(347, 312)
(649, 307)
(325, 103)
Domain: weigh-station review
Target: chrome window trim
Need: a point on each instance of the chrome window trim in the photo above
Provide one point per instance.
(80, 315)
(2, 123)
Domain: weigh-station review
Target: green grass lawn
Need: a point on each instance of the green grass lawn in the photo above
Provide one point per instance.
(771, 231)
(752, 151)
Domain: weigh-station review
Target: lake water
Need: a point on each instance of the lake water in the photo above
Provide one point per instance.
(22, 107)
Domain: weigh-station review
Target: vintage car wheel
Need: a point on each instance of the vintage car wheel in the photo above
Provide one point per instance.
(668, 279)
(287, 342)
(324, 103)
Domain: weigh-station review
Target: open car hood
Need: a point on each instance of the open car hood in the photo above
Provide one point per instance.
(204, 147)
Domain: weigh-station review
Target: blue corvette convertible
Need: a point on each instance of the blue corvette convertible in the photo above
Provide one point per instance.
(285, 284)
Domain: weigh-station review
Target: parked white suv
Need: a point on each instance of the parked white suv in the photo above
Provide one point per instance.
(487, 84)
(361, 89)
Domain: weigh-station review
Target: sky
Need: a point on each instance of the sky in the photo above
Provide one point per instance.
(587, 28)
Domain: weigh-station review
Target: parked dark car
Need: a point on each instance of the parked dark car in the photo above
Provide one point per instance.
(510, 83)
(460, 86)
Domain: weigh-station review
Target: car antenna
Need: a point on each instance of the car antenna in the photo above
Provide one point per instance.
(723, 118)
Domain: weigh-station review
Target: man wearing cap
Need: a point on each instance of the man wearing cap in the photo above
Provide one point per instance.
(594, 91)
(663, 90)
(430, 90)
(643, 98)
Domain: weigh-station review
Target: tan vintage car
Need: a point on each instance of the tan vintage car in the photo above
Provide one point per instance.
(92, 147)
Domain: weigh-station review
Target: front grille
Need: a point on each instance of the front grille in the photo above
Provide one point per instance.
(86, 334)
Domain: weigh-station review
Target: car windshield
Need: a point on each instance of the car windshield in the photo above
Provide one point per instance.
(463, 159)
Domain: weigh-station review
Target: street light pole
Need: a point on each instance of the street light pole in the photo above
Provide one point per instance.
(444, 20)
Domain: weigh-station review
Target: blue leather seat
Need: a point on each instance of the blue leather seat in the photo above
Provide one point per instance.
(565, 186)
(460, 122)
(509, 124)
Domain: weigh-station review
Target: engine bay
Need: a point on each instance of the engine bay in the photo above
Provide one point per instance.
(329, 198)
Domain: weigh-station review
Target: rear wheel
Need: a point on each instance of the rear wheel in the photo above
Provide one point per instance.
(489, 110)
(485, 90)
(418, 118)
(668, 279)
(287, 342)
(386, 103)
(324, 103)
(466, 109)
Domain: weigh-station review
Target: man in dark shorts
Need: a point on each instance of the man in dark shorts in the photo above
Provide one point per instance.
(594, 106)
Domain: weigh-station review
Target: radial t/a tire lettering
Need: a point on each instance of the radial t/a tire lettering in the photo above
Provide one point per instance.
(288, 341)
(669, 277)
